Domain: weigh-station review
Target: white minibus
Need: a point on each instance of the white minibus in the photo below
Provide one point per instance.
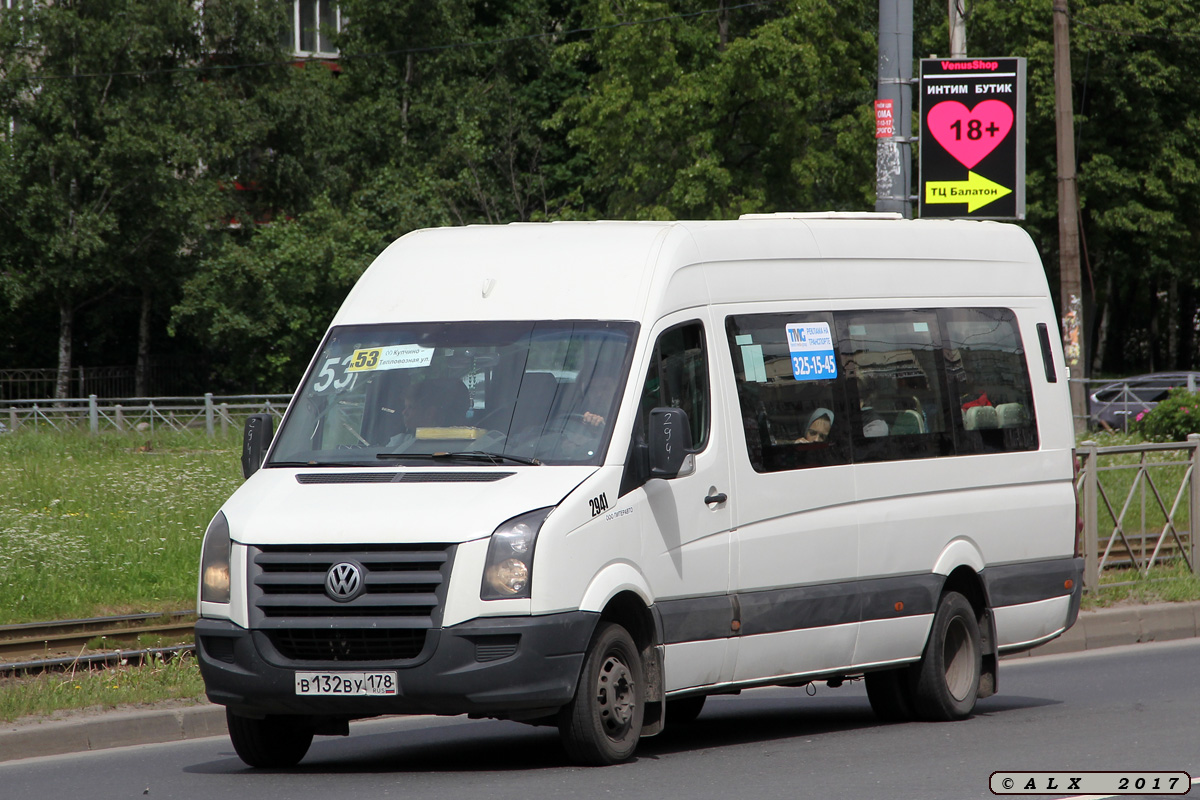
(585, 474)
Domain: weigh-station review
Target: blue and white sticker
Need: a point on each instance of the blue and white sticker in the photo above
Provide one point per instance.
(811, 345)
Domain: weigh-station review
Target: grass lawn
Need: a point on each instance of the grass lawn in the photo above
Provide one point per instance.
(92, 525)
(100, 689)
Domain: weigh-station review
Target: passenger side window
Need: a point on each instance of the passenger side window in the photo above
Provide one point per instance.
(789, 396)
(987, 377)
(677, 378)
(898, 408)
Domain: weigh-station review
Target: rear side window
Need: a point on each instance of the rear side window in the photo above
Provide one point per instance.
(987, 377)
(898, 405)
(819, 388)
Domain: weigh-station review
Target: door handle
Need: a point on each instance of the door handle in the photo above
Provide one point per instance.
(715, 499)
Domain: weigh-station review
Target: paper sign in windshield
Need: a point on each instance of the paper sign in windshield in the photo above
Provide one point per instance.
(400, 356)
(811, 346)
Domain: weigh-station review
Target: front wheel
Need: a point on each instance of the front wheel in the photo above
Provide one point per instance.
(270, 743)
(603, 722)
(947, 684)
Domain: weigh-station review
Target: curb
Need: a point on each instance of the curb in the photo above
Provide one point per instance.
(1106, 627)
(112, 729)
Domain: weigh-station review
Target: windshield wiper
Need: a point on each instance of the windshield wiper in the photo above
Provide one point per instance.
(470, 455)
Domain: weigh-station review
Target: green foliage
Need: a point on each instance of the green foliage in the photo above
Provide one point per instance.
(262, 303)
(168, 155)
(679, 121)
(1176, 416)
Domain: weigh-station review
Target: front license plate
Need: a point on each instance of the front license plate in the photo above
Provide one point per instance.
(349, 684)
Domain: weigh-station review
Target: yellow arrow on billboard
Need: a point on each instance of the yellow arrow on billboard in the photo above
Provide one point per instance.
(976, 191)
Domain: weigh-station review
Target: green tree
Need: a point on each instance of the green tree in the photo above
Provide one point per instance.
(695, 114)
(108, 187)
(435, 116)
(264, 301)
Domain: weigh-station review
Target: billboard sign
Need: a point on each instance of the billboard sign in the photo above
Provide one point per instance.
(972, 143)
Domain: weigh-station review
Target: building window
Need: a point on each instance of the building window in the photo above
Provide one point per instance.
(312, 28)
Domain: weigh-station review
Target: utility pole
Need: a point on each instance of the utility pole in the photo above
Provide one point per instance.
(893, 154)
(1070, 282)
(958, 29)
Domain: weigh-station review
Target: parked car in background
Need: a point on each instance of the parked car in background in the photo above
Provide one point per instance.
(1116, 404)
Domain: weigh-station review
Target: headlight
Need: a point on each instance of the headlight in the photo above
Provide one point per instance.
(214, 562)
(508, 571)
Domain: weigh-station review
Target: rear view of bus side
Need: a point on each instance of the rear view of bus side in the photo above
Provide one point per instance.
(587, 474)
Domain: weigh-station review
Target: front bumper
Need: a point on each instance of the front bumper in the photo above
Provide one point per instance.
(509, 667)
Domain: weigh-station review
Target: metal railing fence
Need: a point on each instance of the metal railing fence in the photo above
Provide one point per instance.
(1127, 520)
(210, 413)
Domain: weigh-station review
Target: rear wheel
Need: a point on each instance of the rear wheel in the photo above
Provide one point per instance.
(603, 722)
(947, 683)
(272, 742)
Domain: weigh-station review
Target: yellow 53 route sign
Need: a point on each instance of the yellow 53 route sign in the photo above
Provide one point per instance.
(972, 138)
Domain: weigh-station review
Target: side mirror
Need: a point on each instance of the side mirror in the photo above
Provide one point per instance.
(255, 441)
(670, 443)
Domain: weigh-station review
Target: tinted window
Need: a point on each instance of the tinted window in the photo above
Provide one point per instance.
(677, 378)
(789, 396)
(897, 403)
(986, 374)
(903, 385)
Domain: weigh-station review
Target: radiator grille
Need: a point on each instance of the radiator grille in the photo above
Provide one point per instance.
(298, 644)
(404, 588)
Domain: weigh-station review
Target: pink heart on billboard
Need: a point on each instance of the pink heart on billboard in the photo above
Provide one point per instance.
(969, 134)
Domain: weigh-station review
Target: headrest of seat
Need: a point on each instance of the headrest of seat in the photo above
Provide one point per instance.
(1011, 415)
(978, 418)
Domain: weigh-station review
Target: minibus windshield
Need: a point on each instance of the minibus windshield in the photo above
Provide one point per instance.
(460, 393)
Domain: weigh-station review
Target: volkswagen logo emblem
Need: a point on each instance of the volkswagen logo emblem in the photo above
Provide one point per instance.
(344, 581)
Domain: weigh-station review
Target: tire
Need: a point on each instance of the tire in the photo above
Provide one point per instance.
(685, 710)
(947, 684)
(890, 693)
(270, 743)
(603, 722)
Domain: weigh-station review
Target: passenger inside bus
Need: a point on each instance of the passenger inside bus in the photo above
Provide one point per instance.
(820, 423)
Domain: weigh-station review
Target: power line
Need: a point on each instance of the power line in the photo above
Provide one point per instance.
(422, 48)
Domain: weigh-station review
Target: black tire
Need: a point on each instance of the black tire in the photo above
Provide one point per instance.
(270, 743)
(891, 695)
(947, 684)
(685, 710)
(603, 722)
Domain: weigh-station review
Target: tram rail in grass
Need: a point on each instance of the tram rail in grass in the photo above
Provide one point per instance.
(75, 641)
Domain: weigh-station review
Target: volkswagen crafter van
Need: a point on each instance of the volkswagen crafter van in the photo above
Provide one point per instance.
(585, 474)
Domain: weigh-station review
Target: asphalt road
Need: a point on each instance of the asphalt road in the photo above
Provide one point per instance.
(1132, 708)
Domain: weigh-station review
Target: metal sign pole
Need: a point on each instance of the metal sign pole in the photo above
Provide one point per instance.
(893, 108)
